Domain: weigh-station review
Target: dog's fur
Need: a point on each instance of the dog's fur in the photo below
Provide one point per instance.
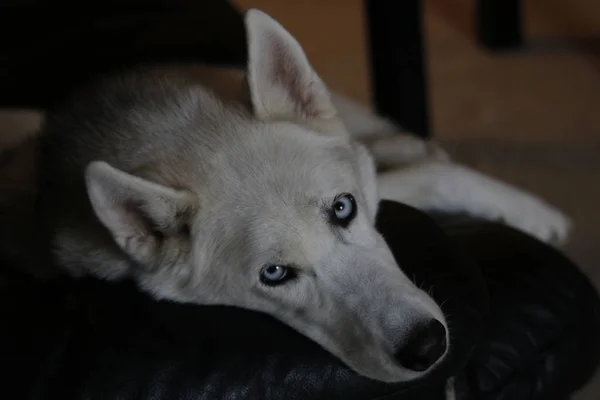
(190, 179)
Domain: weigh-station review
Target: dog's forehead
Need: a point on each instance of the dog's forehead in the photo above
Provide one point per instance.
(275, 182)
(287, 161)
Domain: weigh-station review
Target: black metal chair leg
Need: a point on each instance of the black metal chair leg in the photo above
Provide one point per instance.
(499, 24)
(398, 67)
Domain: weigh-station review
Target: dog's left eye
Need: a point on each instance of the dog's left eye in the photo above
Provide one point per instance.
(343, 210)
(273, 275)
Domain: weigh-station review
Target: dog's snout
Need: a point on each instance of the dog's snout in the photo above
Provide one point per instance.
(425, 345)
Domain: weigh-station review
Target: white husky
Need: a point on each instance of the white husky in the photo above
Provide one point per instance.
(248, 188)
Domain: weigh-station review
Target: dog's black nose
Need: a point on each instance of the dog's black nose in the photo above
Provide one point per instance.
(425, 345)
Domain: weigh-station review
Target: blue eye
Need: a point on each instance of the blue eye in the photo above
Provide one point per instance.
(274, 274)
(343, 210)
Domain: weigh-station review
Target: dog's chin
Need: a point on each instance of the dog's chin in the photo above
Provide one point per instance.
(386, 369)
(382, 368)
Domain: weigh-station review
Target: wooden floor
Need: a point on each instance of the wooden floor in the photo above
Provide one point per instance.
(530, 117)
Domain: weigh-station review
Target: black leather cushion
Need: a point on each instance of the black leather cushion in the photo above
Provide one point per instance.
(95, 340)
(542, 335)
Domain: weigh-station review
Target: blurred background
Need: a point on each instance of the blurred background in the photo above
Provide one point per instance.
(529, 116)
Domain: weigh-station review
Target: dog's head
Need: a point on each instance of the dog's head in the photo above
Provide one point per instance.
(282, 222)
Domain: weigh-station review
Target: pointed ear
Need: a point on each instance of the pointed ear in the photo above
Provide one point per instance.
(282, 83)
(142, 216)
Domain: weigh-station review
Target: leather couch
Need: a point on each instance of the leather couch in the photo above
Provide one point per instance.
(524, 324)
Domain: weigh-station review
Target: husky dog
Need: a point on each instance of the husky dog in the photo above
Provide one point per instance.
(257, 189)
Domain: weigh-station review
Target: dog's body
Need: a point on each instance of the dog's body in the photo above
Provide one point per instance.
(251, 188)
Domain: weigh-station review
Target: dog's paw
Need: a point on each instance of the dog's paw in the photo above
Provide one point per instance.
(536, 218)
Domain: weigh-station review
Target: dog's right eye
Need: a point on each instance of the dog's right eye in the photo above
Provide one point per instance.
(273, 275)
(343, 210)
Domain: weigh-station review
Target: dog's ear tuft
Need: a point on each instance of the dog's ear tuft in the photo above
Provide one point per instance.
(282, 83)
(140, 215)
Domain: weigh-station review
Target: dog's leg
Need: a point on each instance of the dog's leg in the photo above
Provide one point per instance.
(445, 186)
(434, 183)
